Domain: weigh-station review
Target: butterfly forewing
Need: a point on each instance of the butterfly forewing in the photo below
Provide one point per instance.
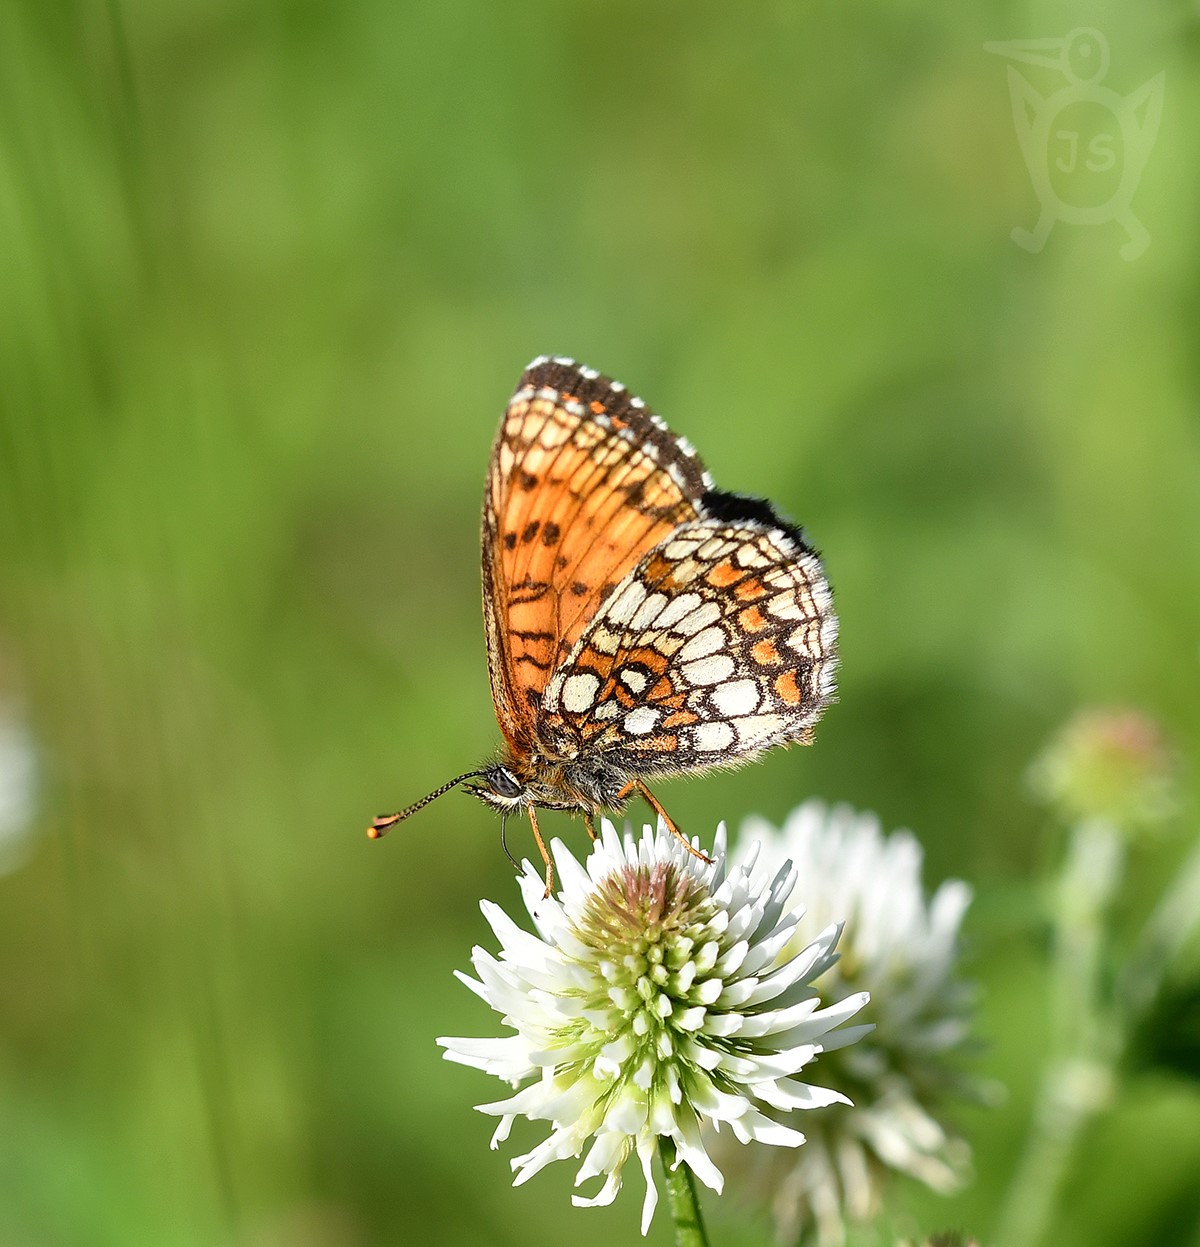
(584, 480)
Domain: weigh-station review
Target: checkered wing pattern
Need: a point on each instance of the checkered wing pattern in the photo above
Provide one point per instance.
(584, 480)
(720, 643)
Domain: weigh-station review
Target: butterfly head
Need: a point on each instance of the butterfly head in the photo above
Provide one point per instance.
(500, 788)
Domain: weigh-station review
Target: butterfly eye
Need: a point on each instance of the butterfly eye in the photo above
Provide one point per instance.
(504, 782)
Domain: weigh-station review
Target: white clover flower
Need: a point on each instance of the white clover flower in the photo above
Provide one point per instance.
(905, 951)
(659, 993)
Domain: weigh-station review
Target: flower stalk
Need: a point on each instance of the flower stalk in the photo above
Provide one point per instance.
(1110, 775)
(682, 1198)
(1078, 1081)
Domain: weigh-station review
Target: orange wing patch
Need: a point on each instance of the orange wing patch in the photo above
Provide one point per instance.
(584, 480)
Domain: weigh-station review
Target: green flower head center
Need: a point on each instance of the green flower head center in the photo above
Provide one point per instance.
(652, 936)
(647, 903)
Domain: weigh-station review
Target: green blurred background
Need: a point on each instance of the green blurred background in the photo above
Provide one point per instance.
(268, 273)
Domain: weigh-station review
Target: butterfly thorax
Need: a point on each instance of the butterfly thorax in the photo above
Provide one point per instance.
(588, 784)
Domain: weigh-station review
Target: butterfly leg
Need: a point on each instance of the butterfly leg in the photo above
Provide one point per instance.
(590, 825)
(537, 835)
(652, 801)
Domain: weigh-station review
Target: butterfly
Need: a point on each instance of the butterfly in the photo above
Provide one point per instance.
(640, 622)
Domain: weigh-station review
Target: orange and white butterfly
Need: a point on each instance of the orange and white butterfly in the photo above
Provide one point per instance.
(640, 623)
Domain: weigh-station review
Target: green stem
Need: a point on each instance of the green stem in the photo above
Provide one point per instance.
(1170, 929)
(681, 1195)
(1089, 1038)
(1070, 1096)
(1085, 1040)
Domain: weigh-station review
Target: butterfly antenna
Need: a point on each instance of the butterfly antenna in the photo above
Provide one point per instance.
(383, 823)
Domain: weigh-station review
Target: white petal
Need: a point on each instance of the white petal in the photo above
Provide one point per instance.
(646, 1149)
(605, 1196)
(604, 1156)
(690, 1150)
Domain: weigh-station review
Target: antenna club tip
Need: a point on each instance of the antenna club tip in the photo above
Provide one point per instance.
(373, 832)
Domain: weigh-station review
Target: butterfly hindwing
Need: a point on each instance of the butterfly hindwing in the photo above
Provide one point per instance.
(720, 643)
(584, 480)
